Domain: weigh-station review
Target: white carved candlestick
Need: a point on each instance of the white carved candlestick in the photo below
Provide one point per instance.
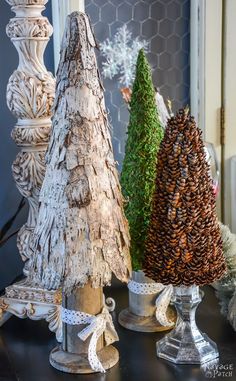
(30, 97)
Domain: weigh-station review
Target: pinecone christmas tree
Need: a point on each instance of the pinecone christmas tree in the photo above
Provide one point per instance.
(184, 245)
(139, 167)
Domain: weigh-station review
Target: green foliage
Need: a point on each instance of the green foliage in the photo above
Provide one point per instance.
(139, 168)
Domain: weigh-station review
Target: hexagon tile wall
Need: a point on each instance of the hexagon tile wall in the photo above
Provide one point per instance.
(165, 25)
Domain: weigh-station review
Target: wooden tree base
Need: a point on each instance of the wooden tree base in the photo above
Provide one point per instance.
(79, 364)
(144, 323)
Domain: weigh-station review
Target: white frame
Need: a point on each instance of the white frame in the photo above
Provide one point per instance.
(206, 70)
(197, 61)
(60, 9)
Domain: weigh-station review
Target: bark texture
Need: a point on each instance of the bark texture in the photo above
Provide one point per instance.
(82, 233)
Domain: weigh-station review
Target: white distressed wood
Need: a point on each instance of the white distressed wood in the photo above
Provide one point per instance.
(30, 96)
(25, 301)
(60, 10)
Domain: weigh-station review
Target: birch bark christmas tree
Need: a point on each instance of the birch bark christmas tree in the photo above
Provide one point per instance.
(81, 236)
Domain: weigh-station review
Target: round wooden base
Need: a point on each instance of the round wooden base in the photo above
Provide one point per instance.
(144, 323)
(78, 364)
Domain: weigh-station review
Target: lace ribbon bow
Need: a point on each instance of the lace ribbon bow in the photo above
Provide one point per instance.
(162, 301)
(96, 327)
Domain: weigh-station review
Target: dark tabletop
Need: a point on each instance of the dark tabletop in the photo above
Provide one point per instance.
(25, 346)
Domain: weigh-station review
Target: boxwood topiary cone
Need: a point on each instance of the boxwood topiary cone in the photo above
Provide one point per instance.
(139, 167)
(145, 133)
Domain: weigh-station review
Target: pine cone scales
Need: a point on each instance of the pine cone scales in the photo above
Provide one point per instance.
(184, 244)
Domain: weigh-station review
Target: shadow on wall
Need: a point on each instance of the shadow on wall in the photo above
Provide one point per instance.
(10, 261)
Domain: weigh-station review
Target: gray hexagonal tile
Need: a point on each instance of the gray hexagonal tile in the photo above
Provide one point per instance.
(116, 144)
(173, 44)
(124, 113)
(113, 114)
(185, 41)
(174, 76)
(152, 59)
(101, 30)
(182, 91)
(185, 11)
(99, 2)
(116, 97)
(92, 11)
(121, 132)
(114, 27)
(159, 77)
(171, 39)
(165, 61)
(149, 28)
(181, 60)
(176, 105)
(108, 13)
(141, 11)
(166, 28)
(134, 27)
(186, 75)
(158, 44)
(166, 2)
(181, 27)
(109, 83)
(115, 2)
(124, 12)
(107, 95)
(173, 11)
(158, 11)
(168, 92)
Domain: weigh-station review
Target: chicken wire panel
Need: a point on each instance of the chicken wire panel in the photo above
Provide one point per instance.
(165, 25)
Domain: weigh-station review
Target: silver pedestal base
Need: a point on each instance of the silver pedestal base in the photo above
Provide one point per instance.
(185, 344)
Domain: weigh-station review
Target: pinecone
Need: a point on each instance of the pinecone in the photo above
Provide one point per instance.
(184, 244)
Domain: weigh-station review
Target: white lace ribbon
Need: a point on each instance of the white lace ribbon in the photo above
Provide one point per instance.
(96, 326)
(162, 301)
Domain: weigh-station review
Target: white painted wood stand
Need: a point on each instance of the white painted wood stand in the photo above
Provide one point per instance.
(30, 96)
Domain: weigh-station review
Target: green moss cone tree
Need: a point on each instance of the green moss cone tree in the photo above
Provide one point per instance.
(139, 167)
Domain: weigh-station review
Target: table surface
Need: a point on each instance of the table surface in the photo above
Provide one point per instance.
(25, 346)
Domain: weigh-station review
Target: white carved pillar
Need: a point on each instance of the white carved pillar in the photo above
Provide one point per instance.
(30, 97)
